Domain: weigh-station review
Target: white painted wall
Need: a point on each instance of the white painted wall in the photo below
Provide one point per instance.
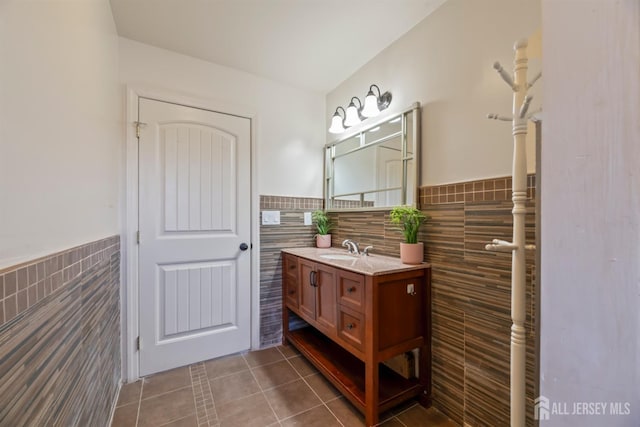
(60, 135)
(590, 284)
(445, 63)
(290, 133)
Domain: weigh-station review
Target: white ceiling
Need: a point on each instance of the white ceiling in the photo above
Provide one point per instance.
(311, 44)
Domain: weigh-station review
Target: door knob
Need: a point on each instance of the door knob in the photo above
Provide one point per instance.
(244, 246)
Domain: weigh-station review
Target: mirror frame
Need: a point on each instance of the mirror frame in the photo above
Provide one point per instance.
(329, 156)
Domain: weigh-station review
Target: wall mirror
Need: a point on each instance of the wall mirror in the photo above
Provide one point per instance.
(374, 165)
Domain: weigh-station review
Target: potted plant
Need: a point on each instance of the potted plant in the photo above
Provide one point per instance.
(323, 225)
(409, 219)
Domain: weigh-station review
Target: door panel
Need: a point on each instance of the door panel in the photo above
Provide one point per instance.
(326, 297)
(307, 291)
(198, 185)
(193, 298)
(194, 209)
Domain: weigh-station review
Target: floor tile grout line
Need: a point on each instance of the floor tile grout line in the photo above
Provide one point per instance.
(257, 382)
(213, 402)
(402, 412)
(173, 421)
(316, 394)
(285, 383)
(200, 371)
(139, 402)
(165, 392)
(263, 393)
(306, 410)
(193, 394)
(192, 374)
(203, 380)
(266, 364)
(284, 355)
(230, 373)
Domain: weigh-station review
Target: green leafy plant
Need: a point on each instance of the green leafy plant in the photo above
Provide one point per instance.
(323, 223)
(409, 219)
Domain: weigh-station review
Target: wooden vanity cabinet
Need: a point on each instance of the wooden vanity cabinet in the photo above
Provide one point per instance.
(357, 321)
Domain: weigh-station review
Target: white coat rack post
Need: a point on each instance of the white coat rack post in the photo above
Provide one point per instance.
(519, 119)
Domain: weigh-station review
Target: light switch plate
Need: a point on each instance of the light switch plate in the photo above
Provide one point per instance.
(307, 218)
(270, 217)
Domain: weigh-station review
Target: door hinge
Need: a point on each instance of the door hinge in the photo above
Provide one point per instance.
(138, 237)
(139, 125)
(138, 343)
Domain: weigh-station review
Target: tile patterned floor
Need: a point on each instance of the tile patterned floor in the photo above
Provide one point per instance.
(271, 387)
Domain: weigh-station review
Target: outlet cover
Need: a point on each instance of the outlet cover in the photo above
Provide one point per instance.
(270, 217)
(307, 218)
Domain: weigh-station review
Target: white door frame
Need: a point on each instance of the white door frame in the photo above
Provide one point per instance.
(129, 247)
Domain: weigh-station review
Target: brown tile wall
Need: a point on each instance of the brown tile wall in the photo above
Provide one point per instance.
(492, 189)
(60, 337)
(290, 203)
(290, 233)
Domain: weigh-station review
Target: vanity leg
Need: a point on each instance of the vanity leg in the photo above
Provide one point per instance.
(371, 393)
(425, 350)
(285, 324)
(371, 370)
(425, 376)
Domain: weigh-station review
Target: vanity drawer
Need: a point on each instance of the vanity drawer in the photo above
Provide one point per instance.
(290, 280)
(291, 290)
(351, 327)
(351, 290)
(290, 264)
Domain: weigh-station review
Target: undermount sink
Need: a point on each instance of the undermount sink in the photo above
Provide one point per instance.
(338, 257)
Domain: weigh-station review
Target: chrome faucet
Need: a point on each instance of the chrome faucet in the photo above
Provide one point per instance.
(351, 246)
(366, 250)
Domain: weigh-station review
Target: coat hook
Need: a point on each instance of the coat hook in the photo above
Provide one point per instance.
(505, 76)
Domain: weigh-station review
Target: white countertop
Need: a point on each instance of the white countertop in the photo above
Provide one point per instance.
(372, 265)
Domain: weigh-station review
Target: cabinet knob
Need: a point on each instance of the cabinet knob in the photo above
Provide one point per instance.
(351, 289)
(350, 326)
(291, 292)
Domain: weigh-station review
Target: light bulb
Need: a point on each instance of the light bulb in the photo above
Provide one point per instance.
(352, 118)
(370, 105)
(336, 124)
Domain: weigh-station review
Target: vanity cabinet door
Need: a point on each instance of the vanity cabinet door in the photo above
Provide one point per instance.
(317, 291)
(326, 297)
(307, 290)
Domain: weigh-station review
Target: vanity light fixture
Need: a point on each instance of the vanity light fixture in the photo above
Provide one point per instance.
(374, 104)
(353, 113)
(337, 122)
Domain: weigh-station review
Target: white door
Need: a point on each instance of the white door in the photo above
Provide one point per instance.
(194, 207)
